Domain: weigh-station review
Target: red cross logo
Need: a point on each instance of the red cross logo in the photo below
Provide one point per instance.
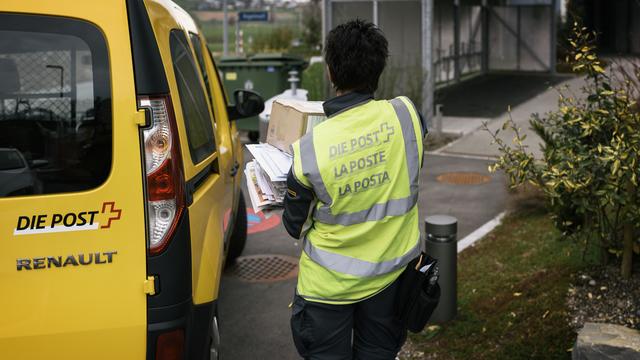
(112, 210)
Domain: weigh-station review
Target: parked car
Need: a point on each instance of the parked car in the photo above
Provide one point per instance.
(117, 249)
(17, 176)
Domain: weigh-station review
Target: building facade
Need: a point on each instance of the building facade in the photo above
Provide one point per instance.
(436, 43)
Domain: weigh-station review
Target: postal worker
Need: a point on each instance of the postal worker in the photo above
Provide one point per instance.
(352, 197)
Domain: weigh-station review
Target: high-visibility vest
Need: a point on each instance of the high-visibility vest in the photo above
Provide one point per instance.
(363, 165)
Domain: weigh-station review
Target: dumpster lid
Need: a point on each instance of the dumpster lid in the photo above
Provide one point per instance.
(277, 57)
(226, 59)
(264, 59)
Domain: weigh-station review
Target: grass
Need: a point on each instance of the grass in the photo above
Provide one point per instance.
(258, 38)
(213, 32)
(511, 295)
(273, 36)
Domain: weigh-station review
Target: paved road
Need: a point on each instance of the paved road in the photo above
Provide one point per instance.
(488, 96)
(255, 316)
(534, 96)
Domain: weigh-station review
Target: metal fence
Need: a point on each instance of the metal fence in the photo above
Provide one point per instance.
(46, 84)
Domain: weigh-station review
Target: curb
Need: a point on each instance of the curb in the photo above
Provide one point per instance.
(461, 156)
(480, 232)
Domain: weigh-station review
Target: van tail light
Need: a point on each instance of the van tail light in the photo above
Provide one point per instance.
(163, 166)
(170, 345)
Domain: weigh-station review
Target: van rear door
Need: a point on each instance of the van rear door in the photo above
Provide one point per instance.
(72, 224)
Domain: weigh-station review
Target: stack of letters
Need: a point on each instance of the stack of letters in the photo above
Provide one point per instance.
(266, 176)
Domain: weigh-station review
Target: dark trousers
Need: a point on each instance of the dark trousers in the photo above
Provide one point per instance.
(366, 330)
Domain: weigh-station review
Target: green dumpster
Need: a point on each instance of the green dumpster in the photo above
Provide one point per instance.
(265, 74)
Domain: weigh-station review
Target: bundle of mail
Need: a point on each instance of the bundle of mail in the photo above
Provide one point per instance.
(266, 174)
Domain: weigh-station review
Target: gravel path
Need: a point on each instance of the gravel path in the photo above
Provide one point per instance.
(601, 296)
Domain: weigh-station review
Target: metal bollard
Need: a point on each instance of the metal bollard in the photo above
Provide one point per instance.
(438, 119)
(442, 244)
(293, 80)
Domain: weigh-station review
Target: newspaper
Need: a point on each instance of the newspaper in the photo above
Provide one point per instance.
(273, 161)
(266, 176)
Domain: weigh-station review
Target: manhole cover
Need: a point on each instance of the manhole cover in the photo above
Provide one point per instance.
(463, 178)
(265, 268)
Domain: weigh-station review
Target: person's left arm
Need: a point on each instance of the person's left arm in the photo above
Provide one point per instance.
(298, 207)
(425, 131)
(423, 125)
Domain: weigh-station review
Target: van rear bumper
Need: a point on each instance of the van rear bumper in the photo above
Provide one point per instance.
(173, 308)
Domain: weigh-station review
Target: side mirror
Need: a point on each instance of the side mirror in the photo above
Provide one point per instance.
(247, 104)
(38, 163)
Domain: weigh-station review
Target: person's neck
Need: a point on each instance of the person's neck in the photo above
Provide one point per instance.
(343, 92)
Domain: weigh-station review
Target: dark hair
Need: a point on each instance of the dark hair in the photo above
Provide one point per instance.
(356, 53)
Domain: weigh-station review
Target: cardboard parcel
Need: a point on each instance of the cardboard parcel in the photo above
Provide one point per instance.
(290, 119)
(266, 174)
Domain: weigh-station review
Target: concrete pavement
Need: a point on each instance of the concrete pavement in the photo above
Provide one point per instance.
(478, 143)
(461, 126)
(488, 96)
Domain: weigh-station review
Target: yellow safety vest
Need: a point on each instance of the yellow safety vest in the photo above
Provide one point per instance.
(363, 165)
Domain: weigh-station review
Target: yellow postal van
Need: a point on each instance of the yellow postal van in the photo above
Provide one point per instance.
(119, 183)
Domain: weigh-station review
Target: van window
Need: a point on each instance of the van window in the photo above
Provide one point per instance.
(197, 47)
(219, 78)
(195, 111)
(55, 106)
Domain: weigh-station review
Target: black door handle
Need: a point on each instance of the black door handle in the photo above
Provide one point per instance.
(234, 169)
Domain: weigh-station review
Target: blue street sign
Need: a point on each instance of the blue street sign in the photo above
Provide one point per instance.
(245, 16)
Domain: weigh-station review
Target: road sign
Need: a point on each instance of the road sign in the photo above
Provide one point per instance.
(245, 16)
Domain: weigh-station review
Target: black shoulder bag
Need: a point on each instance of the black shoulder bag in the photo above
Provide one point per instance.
(418, 293)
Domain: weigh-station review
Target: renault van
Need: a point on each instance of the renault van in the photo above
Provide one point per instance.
(120, 190)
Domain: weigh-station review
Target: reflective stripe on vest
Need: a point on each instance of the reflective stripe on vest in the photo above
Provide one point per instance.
(357, 267)
(311, 170)
(393, 207)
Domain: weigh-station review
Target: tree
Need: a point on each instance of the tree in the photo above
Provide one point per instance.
(590, 165)
(312, 24)
(187, 4)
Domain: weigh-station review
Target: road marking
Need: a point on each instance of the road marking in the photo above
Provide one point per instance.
(461, 156)
(480, 232)
(258, 222)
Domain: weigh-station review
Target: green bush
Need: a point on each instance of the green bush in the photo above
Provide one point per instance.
(313, 81)
(590, 164)
(396, 80)
(402, 79)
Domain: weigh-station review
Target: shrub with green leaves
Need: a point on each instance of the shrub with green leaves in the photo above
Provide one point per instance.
(402, 79)
(313, 81)
(590, 166)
